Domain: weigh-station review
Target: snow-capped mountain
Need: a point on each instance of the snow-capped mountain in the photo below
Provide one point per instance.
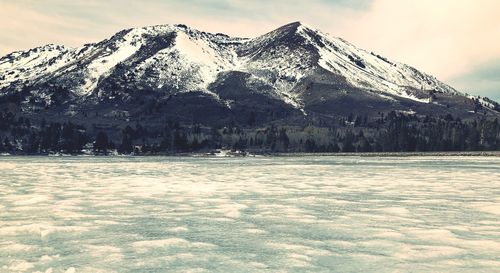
(292, 52)
(168, 53)
(293, 69)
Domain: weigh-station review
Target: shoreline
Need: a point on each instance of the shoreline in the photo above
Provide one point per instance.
(401, 154)
(249, 155)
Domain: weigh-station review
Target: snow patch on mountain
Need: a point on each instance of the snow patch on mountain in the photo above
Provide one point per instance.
(274, 59)
(280, 69)
(368, 70)
(102, 65)
(24, 66)
(485, 102)
(199, 54)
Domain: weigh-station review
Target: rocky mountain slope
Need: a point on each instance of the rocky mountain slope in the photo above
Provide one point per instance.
(293, 74)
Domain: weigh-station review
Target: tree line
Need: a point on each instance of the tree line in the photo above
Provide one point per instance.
(392, 132)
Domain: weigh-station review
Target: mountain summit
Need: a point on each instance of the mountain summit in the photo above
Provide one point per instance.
(294, 75)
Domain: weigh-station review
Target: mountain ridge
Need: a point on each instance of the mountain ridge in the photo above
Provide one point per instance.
(172, 88)
(283, 65)
(310, 37)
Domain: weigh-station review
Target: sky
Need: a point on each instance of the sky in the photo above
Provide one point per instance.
(458, 41)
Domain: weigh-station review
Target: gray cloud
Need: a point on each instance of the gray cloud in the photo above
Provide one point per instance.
(483, 81)
(28, 23)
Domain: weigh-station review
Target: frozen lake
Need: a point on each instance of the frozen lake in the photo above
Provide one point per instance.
(293, 214)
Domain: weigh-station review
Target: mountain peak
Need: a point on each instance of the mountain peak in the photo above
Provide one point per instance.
(298, 25)
(293, 26)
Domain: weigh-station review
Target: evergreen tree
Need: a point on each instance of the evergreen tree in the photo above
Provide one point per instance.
(126, 146)
(101, 143)
(310, 146)
(8, 147)
(283, 141)
(348, 143)
(180, 141)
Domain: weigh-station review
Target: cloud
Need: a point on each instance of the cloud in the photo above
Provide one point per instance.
(444, 38)
(22, 27)
(28, 23)
(483, 81)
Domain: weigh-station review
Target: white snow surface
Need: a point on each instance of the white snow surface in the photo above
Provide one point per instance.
(194, 60)
(262, 214)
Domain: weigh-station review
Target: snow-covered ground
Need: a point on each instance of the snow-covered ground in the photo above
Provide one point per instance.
(297, 214)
